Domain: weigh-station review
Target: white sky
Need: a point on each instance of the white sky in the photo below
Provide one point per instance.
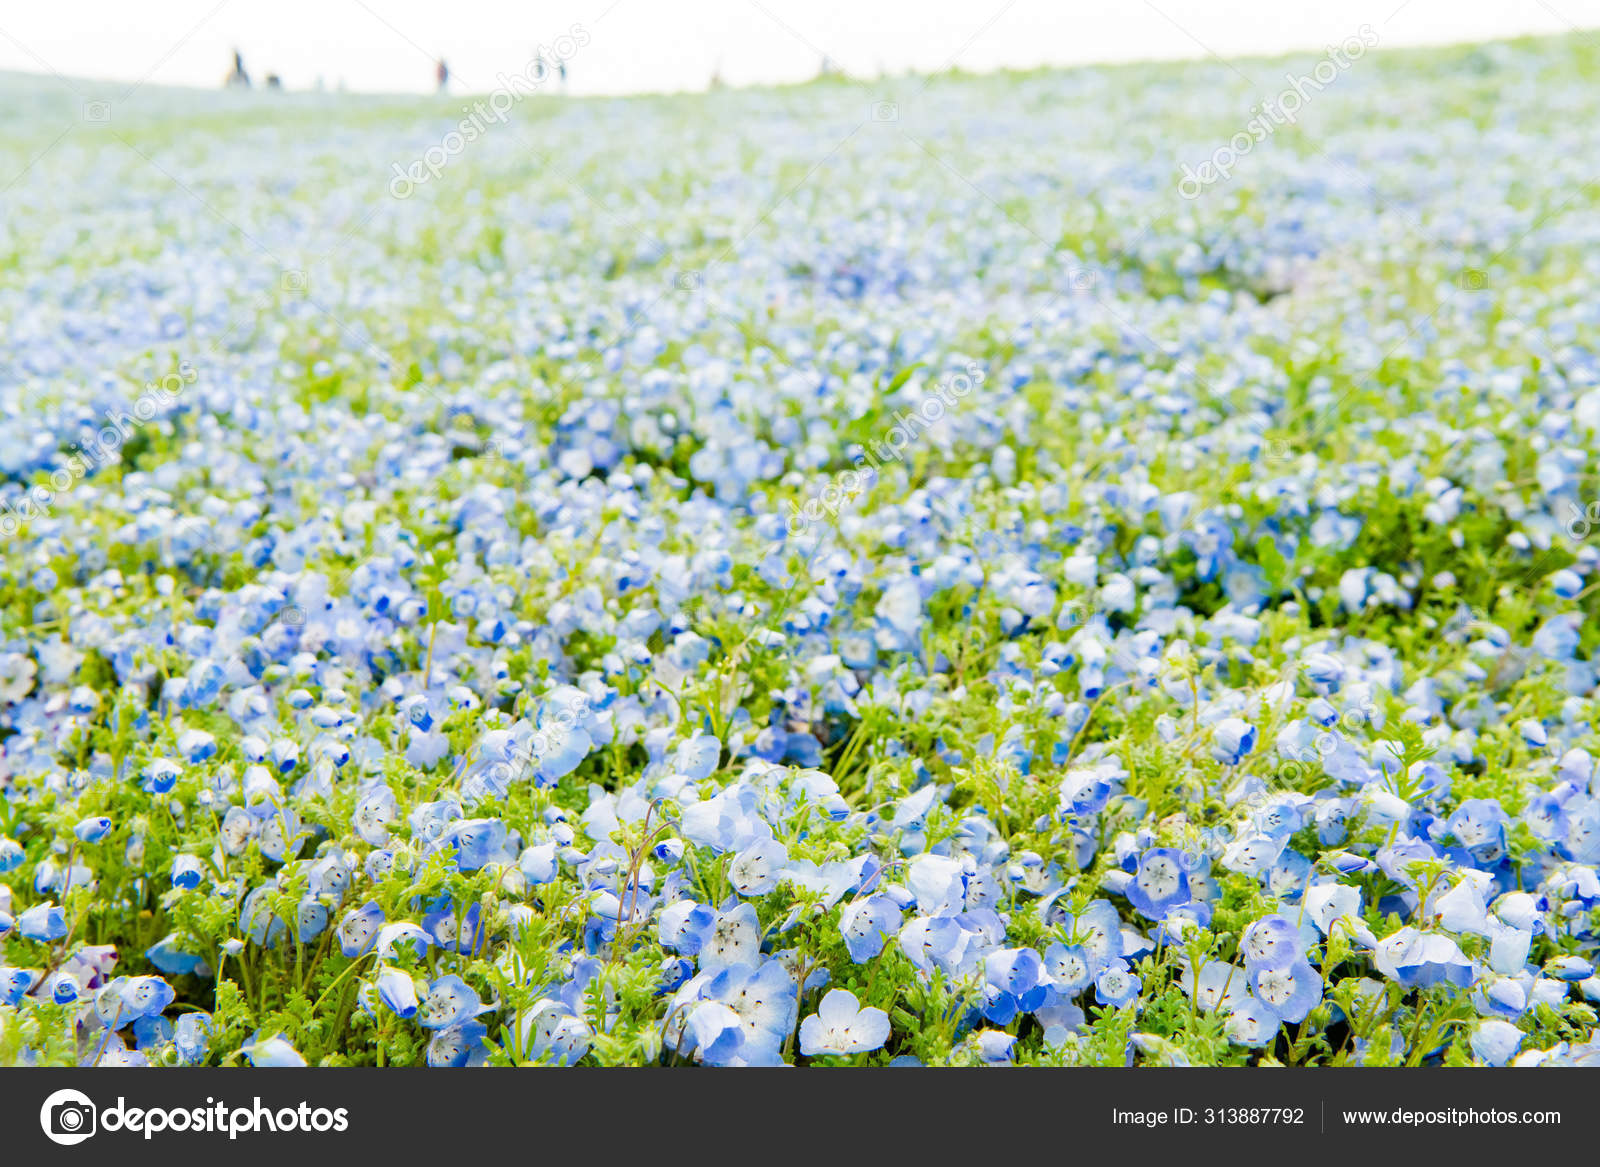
(666, 45)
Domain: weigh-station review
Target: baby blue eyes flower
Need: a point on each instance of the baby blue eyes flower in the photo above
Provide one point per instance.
(755, 870)
(1495, 1042)
(397, 991)
(12, 855)
(1271, 942)
(15, 983)
(196, 745)
(1231, 740)
(456, 1046)
(392, 936)
(63, 989)
(735, 939)
(995, 1046)
(191, 1037)
(43, 922)
(1160, 884)
(477, 842)
(186, 872)
(553, 1035)
(272, 1052)
(374, 814)
(1116, 986)
(450, 1002)
(697, 758)
(1252, 1022)
(867, 925)
(1071, 969)
(1290, 992)
(92, 830)
(685, 926)
(358, 931)
(841, 1026)
(1418, 959)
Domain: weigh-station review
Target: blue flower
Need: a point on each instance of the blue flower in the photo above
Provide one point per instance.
(43, 922)
(1271, 942)
(186, 872)
(450, 1002)
(274, 1051)
(1116, 986)
(359, 929)
(1231, 740)
(840, 1026)
(92, 830)
(867, 924)
(191, 1037)
(1160, 884)
(397, 991)
(1290, 992)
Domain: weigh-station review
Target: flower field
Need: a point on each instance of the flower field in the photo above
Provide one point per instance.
(890, 573)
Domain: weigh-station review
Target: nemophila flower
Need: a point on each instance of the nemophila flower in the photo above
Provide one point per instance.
(374, 814)
(685, 926)
(271, 1052)
(840, 1026)
(186, 872)
(1015, 982)
(92, 830)
(735, 939)
(1231, 739)
(1420, 959)
(756, 870)
(553, 1035)
(1217, 986)
(170, 956)
(1495, 1042)
(12, 855)
(867, 925)
(191, 1037)
(1290, 992)
(697, 758)
(42, 922)
(1271, 942)
(1160, 884)
(477, 842)
(1252, 1022)
(64, 988)
(1097, 930)
(1071, 969)
(398, 935)
(15, 983)
(397, 991)
(359, 929)
(450, 1001)
(1116, 986)
(995, 1046)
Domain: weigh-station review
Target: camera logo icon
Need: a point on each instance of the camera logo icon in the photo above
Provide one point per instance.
(96, 111)
(68, 1117)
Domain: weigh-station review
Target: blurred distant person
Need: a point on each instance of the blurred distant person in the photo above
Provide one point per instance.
(540, 69)
(238, 77)
(442, 75)
(274, 81)
(561, 70)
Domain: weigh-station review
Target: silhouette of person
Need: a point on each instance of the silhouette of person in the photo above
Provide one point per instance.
(442, 74)
(238, 77)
